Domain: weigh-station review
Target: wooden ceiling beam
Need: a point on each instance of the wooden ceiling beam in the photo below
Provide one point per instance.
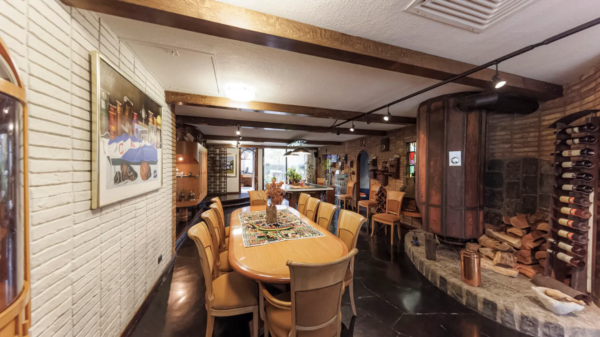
(193, 120)
(180, 98)
(240, 24)
(269, 140)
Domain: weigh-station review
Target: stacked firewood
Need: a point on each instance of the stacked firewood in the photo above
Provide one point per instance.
(517, 246)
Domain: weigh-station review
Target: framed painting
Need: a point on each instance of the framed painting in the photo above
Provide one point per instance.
(232, 163)
(126, 136)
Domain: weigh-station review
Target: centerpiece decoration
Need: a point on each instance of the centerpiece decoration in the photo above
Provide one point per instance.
(293, 176)
(275, 194)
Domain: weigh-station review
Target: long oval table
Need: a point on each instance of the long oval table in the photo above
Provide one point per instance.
(267, 263)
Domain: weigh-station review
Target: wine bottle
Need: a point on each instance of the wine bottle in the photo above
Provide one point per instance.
(581, 213)
(576, 224)
(572, 260)
(575, 141)
(577, 250)
(587, 152)
(589, 127)
(575, 237)
(577, 188)
(577, 176)
(575, 200)
(576, 164)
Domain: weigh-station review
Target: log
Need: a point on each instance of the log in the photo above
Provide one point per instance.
(504, 259)
(532, 240)
(542, 226)
(498, 228)
(488, 252)
(539, 216)
(544, 246)
(520, 221)
(516, 231)
(525, 256)
(486, 264)
(541, 255)
(486, 241)
(472, 246)
(529, 271)
(506, 220)
(515, 242)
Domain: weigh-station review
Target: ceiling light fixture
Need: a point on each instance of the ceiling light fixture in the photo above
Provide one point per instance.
(387, 117)
(352, 127)
(338, 132)
(238, 132)
(240, 92)
(301, 151)
(497, 81)
(290, 154)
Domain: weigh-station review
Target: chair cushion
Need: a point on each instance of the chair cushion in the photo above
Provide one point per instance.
(386, 218)
(227, 231)
(233, 290)
(224, 262)
(366, 203)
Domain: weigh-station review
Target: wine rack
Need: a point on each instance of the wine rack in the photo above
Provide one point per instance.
(580, 245)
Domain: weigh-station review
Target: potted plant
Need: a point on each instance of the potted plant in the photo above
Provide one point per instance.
(293, 176)
(275, 194)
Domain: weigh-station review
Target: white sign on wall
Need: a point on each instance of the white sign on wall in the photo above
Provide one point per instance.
(454, 158)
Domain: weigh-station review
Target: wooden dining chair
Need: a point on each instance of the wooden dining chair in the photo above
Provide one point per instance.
(313, 305)
(302, 199)
(228, 294)
(312, 205)
(325, 215)
(391, 216)
(221, 260)
(221, 214)
(220, 221)
(349, 225)
(348, 196)
(258, 198)
(372, 202)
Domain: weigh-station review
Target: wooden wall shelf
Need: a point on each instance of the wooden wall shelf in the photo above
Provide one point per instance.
(191, 157)
(188, 203)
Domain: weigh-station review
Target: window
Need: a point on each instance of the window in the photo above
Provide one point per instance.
(247, 162)
(298, 163)
(411, 158)
(276, 165)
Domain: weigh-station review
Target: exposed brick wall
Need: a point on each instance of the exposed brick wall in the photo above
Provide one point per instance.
(90, 270)
(513, 136)
(398, 140)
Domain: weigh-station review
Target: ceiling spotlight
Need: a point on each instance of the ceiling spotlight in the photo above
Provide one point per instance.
(387, 117)
(240, 138)
(238, 132)
(240, 92)
(352, 127)
(497, 81)
(368, 120)
(338, 132)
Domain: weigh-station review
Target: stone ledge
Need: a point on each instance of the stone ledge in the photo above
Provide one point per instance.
(509, 301)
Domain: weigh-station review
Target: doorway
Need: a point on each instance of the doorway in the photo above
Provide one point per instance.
(248, 170)
(362, 174)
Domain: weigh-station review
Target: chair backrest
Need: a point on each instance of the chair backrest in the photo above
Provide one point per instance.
(321, 181)
(302, 199)
(394, 202)
(212, 221)
(311, 208)
(325, 215)
(350, 188)
(258, 198)
(349, 224)
(373, 191)
(316, 295)
(207, 251)
(220, 211)
(221, 220)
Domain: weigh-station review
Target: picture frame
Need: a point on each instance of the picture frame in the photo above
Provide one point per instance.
(126, 136)
(232, 164)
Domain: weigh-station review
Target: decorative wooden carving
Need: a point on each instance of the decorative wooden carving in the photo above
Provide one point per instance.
(450, 197)
(385, 144)
(394, 168)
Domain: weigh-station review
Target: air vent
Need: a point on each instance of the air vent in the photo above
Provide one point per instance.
(472, 15)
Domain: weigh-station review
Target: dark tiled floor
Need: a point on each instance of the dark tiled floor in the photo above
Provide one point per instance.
(392, 298)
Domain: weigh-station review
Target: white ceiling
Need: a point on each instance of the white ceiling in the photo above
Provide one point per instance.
(290, 78)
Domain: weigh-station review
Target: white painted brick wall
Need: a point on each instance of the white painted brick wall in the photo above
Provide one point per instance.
(91, 270)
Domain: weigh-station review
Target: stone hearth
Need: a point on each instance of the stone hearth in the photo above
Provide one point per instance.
(509, 301)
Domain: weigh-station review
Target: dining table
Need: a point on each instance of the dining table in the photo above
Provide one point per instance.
(268, 262)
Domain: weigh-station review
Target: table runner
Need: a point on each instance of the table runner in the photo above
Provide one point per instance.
(289, 227)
